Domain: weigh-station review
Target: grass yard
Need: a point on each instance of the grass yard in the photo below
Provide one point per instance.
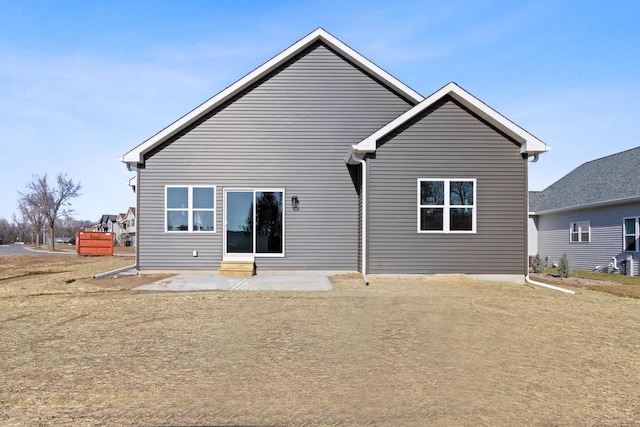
(615, 284)
(434, 351)
(602, 277)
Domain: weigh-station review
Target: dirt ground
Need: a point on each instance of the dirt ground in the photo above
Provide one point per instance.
(434, 351)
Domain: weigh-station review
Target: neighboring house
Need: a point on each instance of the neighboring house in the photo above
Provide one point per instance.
(592, 214)
(122, 227)
(129, 235)
(108, 223)
(320, 160)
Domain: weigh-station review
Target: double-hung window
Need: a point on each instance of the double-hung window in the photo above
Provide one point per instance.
(190, 208)
(580, 232)
(631, 234)
(446, 205)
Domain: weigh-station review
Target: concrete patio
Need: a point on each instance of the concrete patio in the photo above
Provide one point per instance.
(260, 282)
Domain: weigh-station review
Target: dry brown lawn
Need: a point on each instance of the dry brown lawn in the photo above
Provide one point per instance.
(436, 351)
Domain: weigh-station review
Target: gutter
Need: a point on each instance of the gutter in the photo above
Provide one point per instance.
(353, 158)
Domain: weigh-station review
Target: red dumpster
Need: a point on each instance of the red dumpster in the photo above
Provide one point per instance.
(94, 243)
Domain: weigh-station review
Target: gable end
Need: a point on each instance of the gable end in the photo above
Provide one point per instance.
(434, 107)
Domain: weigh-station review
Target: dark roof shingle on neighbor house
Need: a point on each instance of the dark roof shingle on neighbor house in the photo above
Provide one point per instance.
(105, 218)
(611, 179)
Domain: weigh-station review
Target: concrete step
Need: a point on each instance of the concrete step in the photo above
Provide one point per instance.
(237, 268)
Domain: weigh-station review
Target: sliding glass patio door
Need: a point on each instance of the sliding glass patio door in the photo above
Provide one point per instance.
(254, 222)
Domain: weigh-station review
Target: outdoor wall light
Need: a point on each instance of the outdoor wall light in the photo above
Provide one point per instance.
(295, 203)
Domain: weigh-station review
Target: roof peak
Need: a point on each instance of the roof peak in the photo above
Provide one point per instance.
(529, 144)
(136, 155)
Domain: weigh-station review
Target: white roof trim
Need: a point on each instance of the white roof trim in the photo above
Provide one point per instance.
(135, 156)
(529, 143)
(603, 203)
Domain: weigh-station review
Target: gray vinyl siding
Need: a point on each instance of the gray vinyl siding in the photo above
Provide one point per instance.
(606, 236)
(291, 131)
(448, 142)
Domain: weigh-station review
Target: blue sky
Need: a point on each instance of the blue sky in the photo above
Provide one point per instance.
(82, 82)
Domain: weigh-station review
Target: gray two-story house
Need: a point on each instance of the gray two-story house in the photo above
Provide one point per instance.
(321, 160)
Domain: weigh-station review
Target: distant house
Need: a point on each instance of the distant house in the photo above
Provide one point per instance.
(106, 224)
(129, 231)
(592, 214)
(321, 160)
(120, 219)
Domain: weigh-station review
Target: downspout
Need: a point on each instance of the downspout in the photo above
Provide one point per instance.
(363, 190)
(544, 285)
(527, 278)
(113, 272)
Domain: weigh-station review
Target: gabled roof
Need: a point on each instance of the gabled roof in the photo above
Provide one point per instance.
(529, 144)
(135, 156)
(606, 181)
(105, 218)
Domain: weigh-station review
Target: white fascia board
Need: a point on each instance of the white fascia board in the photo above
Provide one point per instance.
(603, 203)
(135, 156)
(529, 143)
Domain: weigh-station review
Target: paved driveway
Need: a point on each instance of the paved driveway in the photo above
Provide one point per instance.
(26, 250)
(261, 282)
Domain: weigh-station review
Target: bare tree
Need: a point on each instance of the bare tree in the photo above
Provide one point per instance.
(68, 226)
(8, 231)
(51, 200)
(32, 214)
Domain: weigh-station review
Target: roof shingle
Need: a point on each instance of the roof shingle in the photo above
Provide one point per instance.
(608, 179)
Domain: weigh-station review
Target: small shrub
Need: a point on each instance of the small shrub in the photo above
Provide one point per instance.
(564, 270)
(537, 264)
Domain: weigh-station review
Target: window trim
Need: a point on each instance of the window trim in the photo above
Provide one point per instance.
(227, 255)
(446, 226)
(190, 210)
(636, 223)
(579, 232)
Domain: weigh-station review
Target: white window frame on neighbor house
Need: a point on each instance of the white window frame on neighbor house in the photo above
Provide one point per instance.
(447, 206)
(635, 234)
(576, 230)
(189, 209)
